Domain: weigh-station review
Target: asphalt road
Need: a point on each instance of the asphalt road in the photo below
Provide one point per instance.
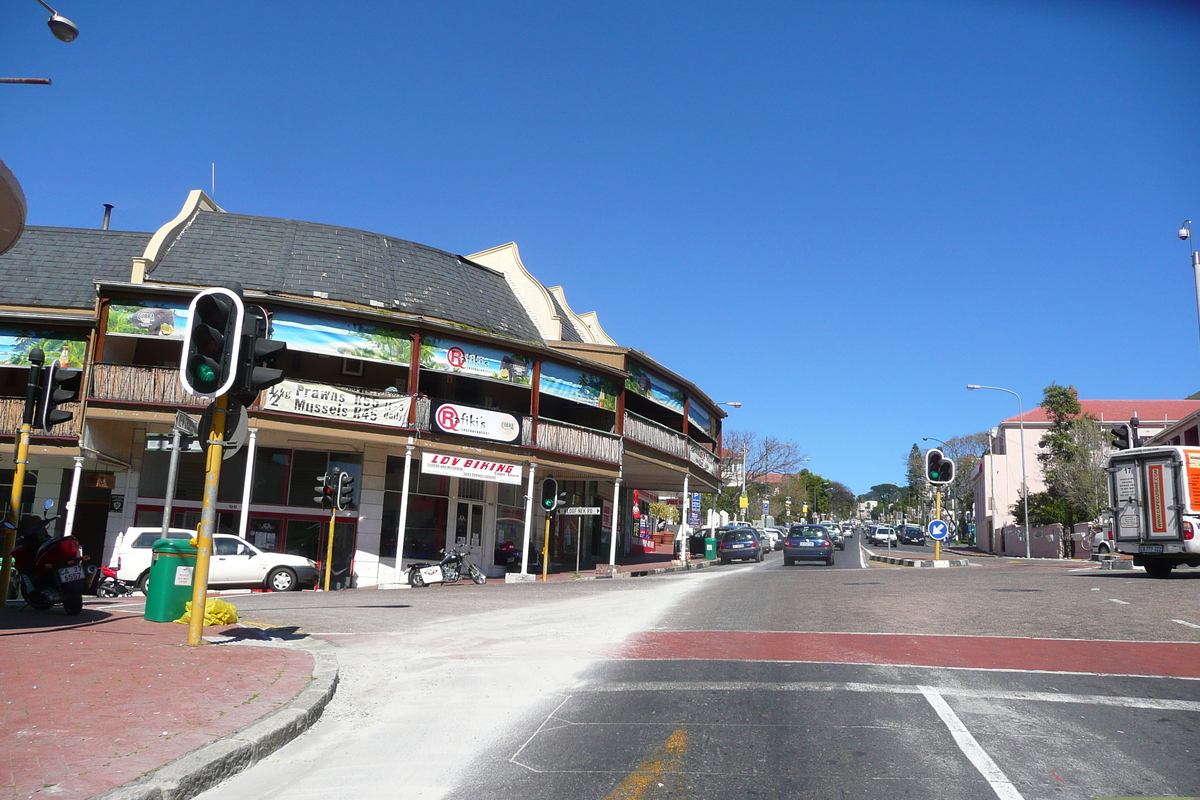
(755, 680)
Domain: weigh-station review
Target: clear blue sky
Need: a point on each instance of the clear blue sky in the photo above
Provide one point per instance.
(837, 213)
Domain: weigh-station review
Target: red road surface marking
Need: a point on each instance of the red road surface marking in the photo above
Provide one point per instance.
(1165, 659)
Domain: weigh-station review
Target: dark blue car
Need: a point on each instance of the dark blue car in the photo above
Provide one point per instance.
(807, 543)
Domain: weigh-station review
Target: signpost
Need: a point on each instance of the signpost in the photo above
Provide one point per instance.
(938, 530)
(581, 511)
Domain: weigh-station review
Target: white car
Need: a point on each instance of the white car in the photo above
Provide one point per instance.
(883, 536)
(234, 561)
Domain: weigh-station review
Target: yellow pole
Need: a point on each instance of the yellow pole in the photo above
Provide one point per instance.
(937, 543)
(208, 519)
(329, 549)
(546, 549)
(36, 359)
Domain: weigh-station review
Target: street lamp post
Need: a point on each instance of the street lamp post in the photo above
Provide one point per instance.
(1024, 482)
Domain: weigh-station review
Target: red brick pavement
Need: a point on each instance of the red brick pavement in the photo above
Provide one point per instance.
(89, 703)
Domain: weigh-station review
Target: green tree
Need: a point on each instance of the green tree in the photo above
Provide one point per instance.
(1073, 459)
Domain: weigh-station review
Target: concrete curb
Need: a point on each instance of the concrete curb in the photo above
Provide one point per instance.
(207, 766)
(691, 565)
(913, 562)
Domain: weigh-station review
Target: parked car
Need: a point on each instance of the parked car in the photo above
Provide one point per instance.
(883, 535)
(911, 534)
(767, 537)
(836, 536)
(808, 543)
(234, 562)
(739, 544)
(780, 535)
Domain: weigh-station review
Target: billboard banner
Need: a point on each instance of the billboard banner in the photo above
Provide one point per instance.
(480, 469)
(329, 402)
(702, 419)
(449, 355)
(477, 422)
(67, 349)
(654, 388)
(582, 387)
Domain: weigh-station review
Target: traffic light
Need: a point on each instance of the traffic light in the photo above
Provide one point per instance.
(345, 491)
(58, 386)
(939, 470)
(258, 355)
(325, 491)
(1120, 437)
(212, 342)
(549, 494)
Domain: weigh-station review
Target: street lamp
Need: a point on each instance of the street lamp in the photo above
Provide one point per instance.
(63, 29)
(932, 439)
(1024, 483)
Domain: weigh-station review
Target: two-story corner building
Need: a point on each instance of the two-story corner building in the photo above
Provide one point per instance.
(464, 374)
(997, 477)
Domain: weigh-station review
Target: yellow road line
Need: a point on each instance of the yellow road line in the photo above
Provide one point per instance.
(660, 770)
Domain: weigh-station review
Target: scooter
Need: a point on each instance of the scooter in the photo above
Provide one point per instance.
(51, 568)
(112, 586)
(449, 570)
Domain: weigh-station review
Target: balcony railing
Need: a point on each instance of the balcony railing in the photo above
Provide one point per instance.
(572, 440)
(703, 459)
(12, 410)
(652, 434)
(157, 385)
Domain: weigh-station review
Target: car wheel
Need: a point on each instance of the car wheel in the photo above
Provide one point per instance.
(143, 582)
(724, 560)
(760, 557)
(1103, 548)
(282, 579)
(1154, 568)
(829, 561)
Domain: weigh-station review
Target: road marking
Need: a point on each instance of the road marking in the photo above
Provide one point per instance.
(1150, 703)
(971, 748)
(1115, 600)
(1185, 622)
(660, 770)
(514, 758)
(1084, 569)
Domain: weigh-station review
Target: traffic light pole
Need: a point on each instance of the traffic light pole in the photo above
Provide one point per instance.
(36, 359)
(208, 519)
(937, 543)
(546, 549)
(329, 549)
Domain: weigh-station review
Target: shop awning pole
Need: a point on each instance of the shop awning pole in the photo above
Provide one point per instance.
(528, 519)
(402, 524)
(248, 482)
(612, 537)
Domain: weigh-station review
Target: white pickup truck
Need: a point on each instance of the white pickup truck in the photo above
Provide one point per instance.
(1154, 495)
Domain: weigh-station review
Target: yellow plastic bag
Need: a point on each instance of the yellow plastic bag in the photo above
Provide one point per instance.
(216, 612)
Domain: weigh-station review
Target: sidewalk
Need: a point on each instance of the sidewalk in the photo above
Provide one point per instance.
(93, 702)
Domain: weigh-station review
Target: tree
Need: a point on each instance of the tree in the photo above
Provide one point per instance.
(966, 451)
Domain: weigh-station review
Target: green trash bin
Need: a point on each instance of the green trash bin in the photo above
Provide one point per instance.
(169, 588)
(710, 548)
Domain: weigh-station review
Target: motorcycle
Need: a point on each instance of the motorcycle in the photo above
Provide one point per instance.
(112, 586)
(50, 568)
(450, 569)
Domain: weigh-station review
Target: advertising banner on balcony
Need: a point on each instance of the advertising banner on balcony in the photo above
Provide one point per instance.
(477, 422)
(701, 419)
(332, 336)
(654, 388)
(67, 349)
(449, 355)
(480, 469)
(329, 402)
(582, 387)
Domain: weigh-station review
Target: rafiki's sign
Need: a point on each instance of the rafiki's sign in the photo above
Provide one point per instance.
(480, 469)
(478, 422)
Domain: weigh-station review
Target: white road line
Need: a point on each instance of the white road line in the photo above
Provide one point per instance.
(1185, 622)
(1159, 704)
(1115, 600)
(988, 768)
(1084, 569)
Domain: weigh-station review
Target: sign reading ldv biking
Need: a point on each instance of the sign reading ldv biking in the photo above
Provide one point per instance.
(481, 469)
(477, 422)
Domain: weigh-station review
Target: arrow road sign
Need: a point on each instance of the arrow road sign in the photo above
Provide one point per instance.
(581, 511)
(938, 530)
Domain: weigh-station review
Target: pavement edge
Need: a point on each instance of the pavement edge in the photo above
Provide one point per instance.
(207, 766)
(914, 562)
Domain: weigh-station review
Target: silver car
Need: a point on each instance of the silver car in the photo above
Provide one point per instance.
(883, 536)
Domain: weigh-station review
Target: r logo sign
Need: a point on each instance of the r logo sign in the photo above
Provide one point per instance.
(447, 417)
(456, 357)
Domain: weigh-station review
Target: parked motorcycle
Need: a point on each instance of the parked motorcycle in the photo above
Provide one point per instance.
(51, 568)
(452, 568)
(112, 586)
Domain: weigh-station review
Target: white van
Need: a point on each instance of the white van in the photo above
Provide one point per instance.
(134, 551)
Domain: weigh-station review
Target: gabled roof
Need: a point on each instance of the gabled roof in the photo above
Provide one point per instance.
(1148, 411)
(290, 257)
(57, 267)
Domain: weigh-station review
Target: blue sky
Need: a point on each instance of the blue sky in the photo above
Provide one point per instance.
(837, 213)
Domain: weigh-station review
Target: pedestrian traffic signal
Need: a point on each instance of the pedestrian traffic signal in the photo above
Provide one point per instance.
(325, 492)
(1120, 437)
(258, 355)
(939, 470)
(57, 386)
(212, 342)
(345, 491)
(549, 494)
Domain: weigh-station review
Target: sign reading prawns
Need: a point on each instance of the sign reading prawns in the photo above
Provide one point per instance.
(480, 469)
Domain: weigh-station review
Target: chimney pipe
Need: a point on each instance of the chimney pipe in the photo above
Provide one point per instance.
(108, 207)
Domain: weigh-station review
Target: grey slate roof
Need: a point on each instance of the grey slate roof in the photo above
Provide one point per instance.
(57, 267)
(292, 257)
(568, 334)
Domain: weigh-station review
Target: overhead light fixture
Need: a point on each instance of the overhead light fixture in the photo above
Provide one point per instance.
(63, 29)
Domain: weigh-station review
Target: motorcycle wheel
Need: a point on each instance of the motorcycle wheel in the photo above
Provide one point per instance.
(416, 579)
(37, 599)
(107, 588)
(72, 601)
(477, 575)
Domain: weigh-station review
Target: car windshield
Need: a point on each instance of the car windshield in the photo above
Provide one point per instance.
(809, 532)
(743, 535)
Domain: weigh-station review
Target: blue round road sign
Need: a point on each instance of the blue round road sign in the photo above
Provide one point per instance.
(938, 530)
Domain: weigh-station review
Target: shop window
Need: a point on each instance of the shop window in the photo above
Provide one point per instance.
(470, 489)
(233, 477)
(28, 488)
(350, 463)
(264, 533)
(426, 533)
(510, 494)
(271, 467)
(303, 538)
(430, 484)
(189, 476)
(308, 466)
